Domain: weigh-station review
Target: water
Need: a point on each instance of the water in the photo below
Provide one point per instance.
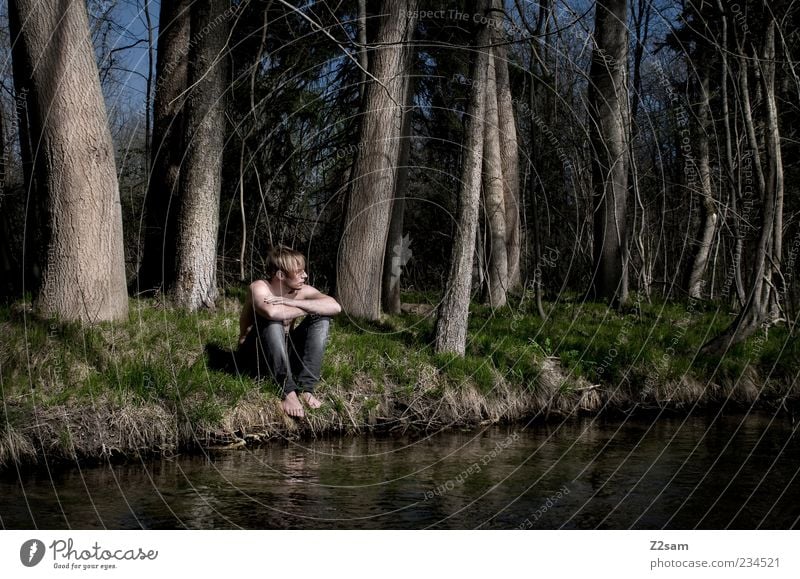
(697, 472)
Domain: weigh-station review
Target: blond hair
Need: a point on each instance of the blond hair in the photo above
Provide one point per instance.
(285, 259)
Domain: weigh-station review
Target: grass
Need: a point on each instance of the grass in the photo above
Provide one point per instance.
(146, 384)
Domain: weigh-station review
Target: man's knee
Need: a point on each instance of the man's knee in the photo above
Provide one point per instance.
(319, 328)
(322, 323)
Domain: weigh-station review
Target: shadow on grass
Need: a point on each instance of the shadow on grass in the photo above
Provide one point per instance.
(238, 364)
(227, 361)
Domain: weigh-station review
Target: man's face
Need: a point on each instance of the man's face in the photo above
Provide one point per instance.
(295, 279)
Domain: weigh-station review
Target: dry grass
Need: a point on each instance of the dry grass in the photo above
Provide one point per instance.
(105, 428)
(113, 427)
(15, 447)
(430, 405)
(144, 387)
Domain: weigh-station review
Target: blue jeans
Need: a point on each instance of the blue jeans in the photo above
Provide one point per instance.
(294, 360)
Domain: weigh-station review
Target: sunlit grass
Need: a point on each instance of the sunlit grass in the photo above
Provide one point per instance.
(156, 359)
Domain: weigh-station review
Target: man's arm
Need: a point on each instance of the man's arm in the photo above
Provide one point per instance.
(263, 304)
(310, 301)
(246, 318)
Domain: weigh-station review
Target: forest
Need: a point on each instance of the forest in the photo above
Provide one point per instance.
(549, 206)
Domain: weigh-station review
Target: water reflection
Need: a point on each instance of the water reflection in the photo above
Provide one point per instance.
(732, 472)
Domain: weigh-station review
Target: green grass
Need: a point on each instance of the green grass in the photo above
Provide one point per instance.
(602, 345)
(156, 357)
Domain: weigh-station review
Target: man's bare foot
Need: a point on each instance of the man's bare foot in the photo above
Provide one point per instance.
(291, 405)
(311, 400)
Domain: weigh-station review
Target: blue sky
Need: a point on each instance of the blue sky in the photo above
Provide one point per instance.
(125, 41)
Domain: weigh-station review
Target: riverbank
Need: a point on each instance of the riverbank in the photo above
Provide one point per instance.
(157, 385)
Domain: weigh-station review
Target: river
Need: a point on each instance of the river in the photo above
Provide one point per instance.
(737, 472)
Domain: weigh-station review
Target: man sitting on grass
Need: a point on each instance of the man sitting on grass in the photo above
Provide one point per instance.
(269, 336)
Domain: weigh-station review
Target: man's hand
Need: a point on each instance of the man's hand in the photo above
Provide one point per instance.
(313, 302)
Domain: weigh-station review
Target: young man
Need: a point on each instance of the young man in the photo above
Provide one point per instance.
(267, 331)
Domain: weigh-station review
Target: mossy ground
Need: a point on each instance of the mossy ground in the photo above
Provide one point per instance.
(146, 385)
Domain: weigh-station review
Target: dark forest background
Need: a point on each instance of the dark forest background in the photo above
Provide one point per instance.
(615, 151)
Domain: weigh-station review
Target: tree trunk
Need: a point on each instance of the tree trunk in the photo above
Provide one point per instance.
(157, 268)
(532, 180)
(536, 72)
(708, 214)
(363, 58)
(200, 179)
(8, 281)
(493, 196)
(451, 322)
(772, 140)
(148, 93)
(608, 104)
(254, 69)
(360, 265)
(756, 312)
(396, 257)
(509, 158)
(84, 274)
(641, 20)
(33, 245)
(729, 171)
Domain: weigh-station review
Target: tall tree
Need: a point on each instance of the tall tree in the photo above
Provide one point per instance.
(157, 264)
(33, 251)
(509, 155)
(7, 272)
(361, 255)
(608, 107)
(451, 322)
(200, 178)
(363, 58)
(501, 175)
(641, 11)
(762, 297)
(396, 250)
(708, 213)
(494, 195)
(728, 171)
(539, 75)
(697, 42)
(84, 271)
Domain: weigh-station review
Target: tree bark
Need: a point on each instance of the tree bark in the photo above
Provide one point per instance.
(363, 58)
(84, 273)
(708, 214)
(157, 267)
(360, 264)
(772, 140)
(608, 105)
(200, 179)
(393, 260)
(451, 322)
(509, 157)
(493, 196)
